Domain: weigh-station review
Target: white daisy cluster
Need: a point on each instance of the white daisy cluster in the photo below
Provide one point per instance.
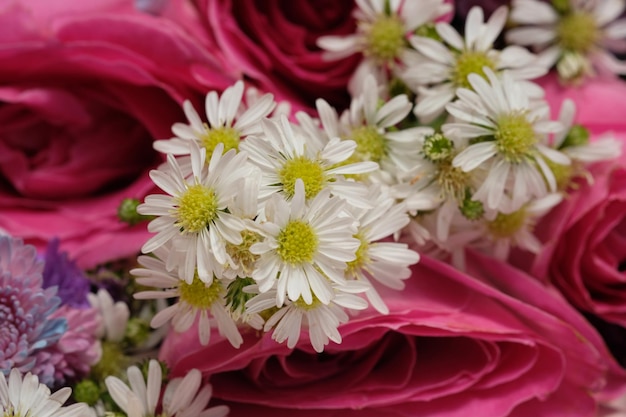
(273, 224)
(282, 224)
(494, 161)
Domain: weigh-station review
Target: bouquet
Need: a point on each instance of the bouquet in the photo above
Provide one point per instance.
(379, 207)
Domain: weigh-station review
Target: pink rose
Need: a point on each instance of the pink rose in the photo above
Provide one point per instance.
(274, 44)
(585, 236)
(85, 87)
(452, 345)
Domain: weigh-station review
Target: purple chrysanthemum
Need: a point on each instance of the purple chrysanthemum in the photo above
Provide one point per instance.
(25, 309)
(60, 271)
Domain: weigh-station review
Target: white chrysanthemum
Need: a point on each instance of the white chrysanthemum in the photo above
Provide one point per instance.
(385, 262)
(321, 319)
(305, 246)
(372, 127)
(114, 316)
(381, 35)
(228, 123)
(512, 146)
(197, 214)
(443, 66)
(577, 36)
(180, 399)
(196, 299)
(579, 148)
(27, 397)
(284, 156)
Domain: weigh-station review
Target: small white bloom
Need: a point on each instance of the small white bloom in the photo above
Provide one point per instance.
(443, 66)
(197, 214)
(25, 396)
(514, 133)
(381, 35)
(306, 247)
(578, 36)
(114, 316)
(228, 123)
(321, 319)
(195, 299)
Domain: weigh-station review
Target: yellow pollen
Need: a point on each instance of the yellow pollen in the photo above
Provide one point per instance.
(470, 62)
(370, 144)
(385, 39)
(300, 303)
(197, 207)
(506, 225)
(311, 173)
(362, 257)
(452, 180)
(241, 253)
(226, 135)
(577, 32)
(515, 136)
(297, 243)
(199, 294)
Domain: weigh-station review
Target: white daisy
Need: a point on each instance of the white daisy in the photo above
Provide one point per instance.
(306, 247)
(284, 156)
(445, 65)
(181, 397)
(385, 262)
(196, 300)
(114, 316)
(321, 319)
(577, 35)
(25, 396)
(197, 214)
(372, 127)
(381, 35)
(227, 122)
(512, 133)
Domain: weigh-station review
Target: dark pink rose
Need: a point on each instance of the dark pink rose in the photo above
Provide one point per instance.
(452, 345)
(85, 87)
(274, 44)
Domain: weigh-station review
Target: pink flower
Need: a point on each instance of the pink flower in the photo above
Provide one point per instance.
(85, 87)
(274, 43)
(452, 345)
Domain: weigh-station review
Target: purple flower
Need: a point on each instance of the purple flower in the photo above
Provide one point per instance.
(25, 309)
(60, 271)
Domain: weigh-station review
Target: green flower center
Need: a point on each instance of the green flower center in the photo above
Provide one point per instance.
(199, 294)
(470, 62)
(577, 32)
(437, 148)
(226, 135)
(515, 136)
(385, 38)
(506, 225)
(311, 173)
(197, 207)
(297, 243)
(370, 144)
(362, 257)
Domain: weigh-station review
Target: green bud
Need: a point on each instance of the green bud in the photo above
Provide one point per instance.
(127, 212)
(137, 331)
(471, 209)
(86, 391)
(236, 298)
(577, 135)
(437, 148)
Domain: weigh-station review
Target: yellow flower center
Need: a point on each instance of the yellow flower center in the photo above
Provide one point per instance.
(310, 172)
(197, 207)
(370, 144)
(226, 135)
(297, 243)
(385, 39)
(515, 136)
(199, 294)
(470, 62)
(506, 225)
(577, 32)
(300, 303)
(241, 253)
(452, 180)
